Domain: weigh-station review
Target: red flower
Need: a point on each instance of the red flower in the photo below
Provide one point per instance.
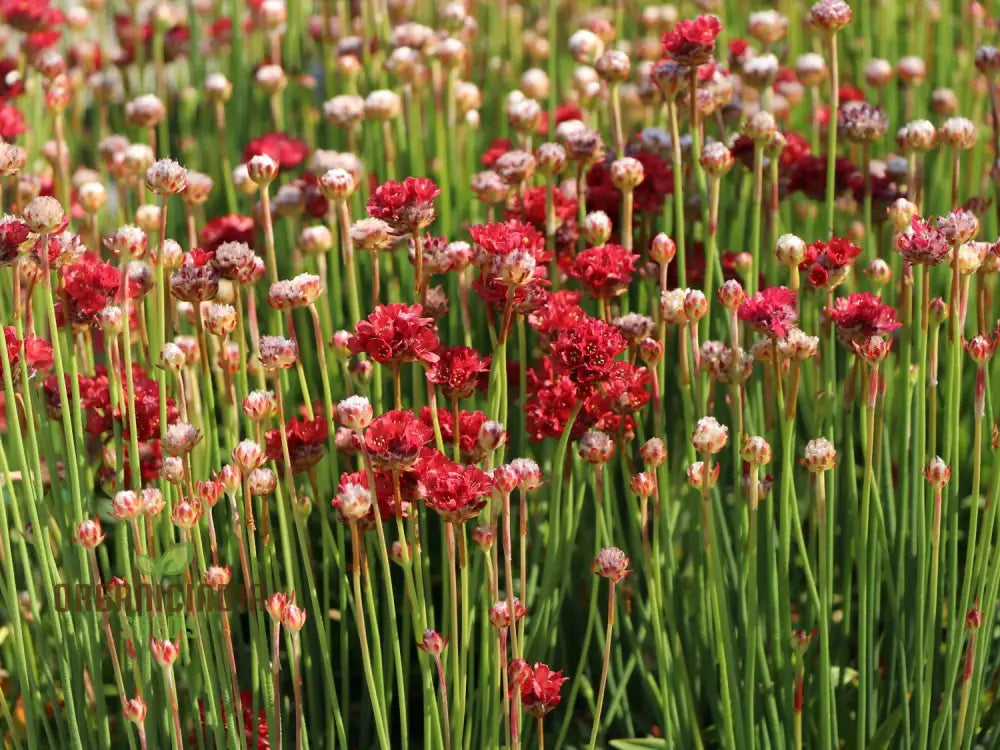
(808, 175)
(385, 494)
(37, 352)
(532, 209)
(13, 234)
(469, 424)
(605, 271)
(498, 147)
(87, 287)
(95, 396)
(539, 687)
(586, 352)
(29, 15)
(860, 316)
(11, 122)
(251, 727)
(396, 333)
(395, 438)
(627, 388)
(548, 409)
(306, 439)
(771, 312)
(10, 86)
(923, 243)
(37, 41)
(561, 310)
(829, 262)
(692, 42)
(228, 228)
(287, 152)
(456, 492)
(458, 371)
(407, 206)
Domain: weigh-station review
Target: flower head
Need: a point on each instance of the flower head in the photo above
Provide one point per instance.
(456, 492)
(860, 316)
(394, 439)
(539, 687)
(407, 206)
(396, 333)
(692, 41)
(771, 312)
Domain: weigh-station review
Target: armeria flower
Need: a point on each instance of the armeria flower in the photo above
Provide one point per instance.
(228, 228)
(771, 312)
(605, 271)
(860, 316)
(470, 428)
(459, 371)
(626, 389)
(37, 352)
(828, 263)
(456, 492)
(196, 280)
(539, 686)
(586, 351)
(306, 438)
(692, 41)
(396, 333)
(12, 122)
(87, 287)
(394, 439)
(407, 206)
(13, 234)
(548, 409)
(384, 498)
(561, 310)
(287, 151)
(611, 563)
(30, 16)
(922, 243)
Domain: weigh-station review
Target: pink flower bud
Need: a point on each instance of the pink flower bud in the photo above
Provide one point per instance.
(293, 618)
(653, 452)
(756, 450)
(164, 652)
(709, 436)
(483, 536)
(820, 455)
(126, 506)
(611, 563)
(432, 643)
(355, 412)
(643, 484)
(937, 473)
(662, 249)
(218, 577)
(88, 534)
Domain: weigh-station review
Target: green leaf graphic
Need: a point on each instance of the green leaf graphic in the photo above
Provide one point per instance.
(174, 560)
(145, 565)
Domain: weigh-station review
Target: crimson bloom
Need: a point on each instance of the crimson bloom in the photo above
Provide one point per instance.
(860, 316)
(306, 438)
(394, 439)
(771, 312)
(13, 234)
(458, 371)
(605, 271)
(586, 351)
(11, 122)
(456, 492)
(287, 152)
(829, 262)
(29, 15)
(384, 496)
(692, 41)
(469, 424)
(396, 333)
(87, 287)
(228, 228)
(539, 686)
(37, 352)
(922, 243)
(407, 206)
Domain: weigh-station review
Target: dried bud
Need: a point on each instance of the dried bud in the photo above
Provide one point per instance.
(937, 473)
(611, 563)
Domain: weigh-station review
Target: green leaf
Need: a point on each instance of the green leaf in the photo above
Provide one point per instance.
(174, 560)
(145, 565)
(636, 743)
(884, 734)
